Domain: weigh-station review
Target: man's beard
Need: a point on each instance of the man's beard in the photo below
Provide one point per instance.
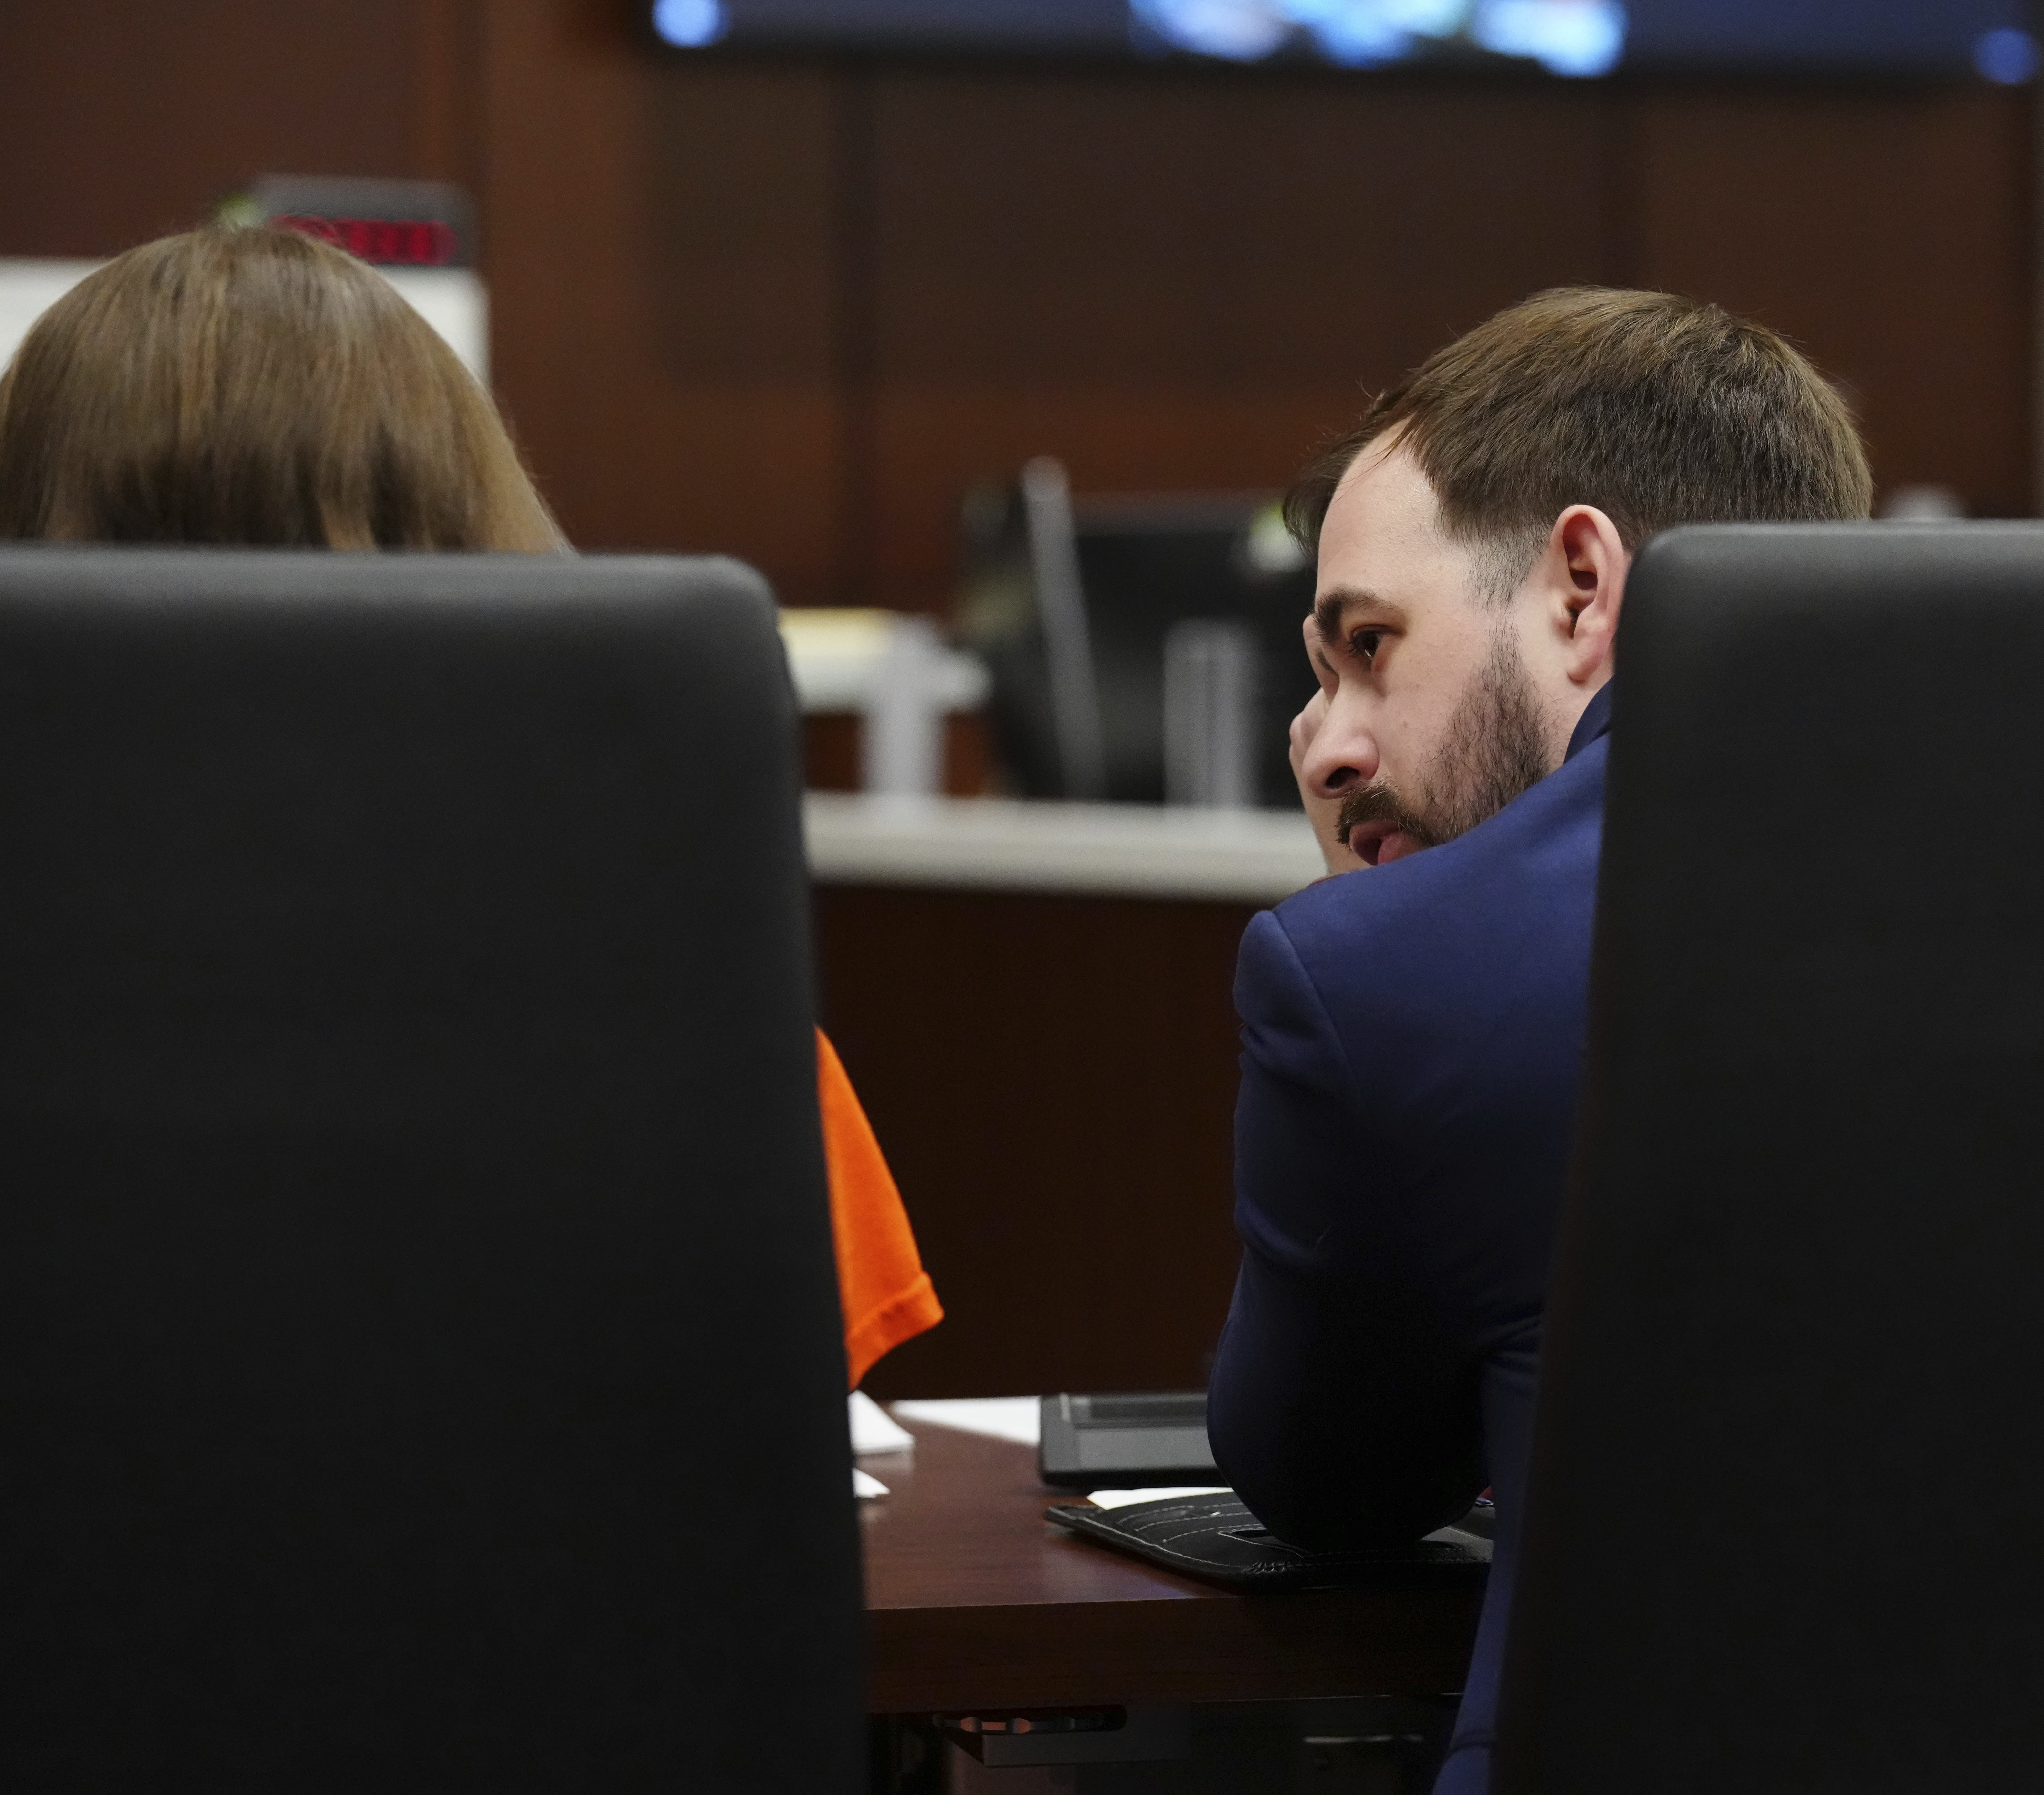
(1494, 748)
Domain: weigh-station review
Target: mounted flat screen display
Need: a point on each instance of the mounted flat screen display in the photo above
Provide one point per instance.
(1991, 40)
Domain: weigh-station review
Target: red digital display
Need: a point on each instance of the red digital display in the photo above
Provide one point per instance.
(415, 243)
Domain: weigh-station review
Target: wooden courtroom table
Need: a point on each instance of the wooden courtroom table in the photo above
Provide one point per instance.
(974, 1602)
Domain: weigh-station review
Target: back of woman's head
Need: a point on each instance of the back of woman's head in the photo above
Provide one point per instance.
(253, 386)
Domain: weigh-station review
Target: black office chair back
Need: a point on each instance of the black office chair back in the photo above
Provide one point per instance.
(1781, 1529)
(419, 1362)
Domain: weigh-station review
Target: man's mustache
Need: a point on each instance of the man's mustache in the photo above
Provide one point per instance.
(1377, 802)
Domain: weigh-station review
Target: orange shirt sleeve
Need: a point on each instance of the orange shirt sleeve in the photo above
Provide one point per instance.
(887, 1296)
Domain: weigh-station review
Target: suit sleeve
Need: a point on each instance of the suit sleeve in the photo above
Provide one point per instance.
(1342, 1409)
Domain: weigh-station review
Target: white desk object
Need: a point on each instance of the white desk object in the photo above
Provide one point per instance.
(1014, 1418)
(895, 673)
(453, 301)
(1098, 850)
(874, 1431)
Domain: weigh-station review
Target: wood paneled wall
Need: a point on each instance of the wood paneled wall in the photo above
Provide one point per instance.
(1054, 1080)
(789, 309)
(119, 122)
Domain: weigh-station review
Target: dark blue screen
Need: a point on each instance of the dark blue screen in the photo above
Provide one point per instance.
(1990, 39)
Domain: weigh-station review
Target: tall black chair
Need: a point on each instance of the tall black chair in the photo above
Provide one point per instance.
(1781, 1529)
(420, 1358)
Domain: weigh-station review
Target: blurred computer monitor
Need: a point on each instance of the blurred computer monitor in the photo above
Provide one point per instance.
(1572, 39)
(1142, 648)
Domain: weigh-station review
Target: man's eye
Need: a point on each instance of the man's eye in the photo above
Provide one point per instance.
(1364, 645)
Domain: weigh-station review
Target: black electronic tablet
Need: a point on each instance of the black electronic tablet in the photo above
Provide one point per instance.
(1096, 1442)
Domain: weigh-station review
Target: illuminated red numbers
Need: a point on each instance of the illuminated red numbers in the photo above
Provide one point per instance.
(417, 243)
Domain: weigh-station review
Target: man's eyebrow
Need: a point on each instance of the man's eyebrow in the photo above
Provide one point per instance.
(1329, 607)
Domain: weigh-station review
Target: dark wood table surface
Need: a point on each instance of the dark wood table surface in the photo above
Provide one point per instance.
(974, 1601)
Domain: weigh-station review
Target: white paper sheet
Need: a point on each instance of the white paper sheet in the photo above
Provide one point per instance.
(1121, 1498)
(1005, 1417)
(864, 1487)
(874, 1429)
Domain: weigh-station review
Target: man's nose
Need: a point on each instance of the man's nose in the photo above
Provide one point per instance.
(1342, 754)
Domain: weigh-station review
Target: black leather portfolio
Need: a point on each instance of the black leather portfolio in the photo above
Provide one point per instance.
(1216, 1538)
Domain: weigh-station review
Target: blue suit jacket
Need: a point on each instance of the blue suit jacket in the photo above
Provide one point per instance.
(1412, 1038)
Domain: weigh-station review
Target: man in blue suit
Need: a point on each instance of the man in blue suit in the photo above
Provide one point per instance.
(1413, 1029)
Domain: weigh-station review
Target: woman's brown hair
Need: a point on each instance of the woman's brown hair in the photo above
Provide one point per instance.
(253, 387)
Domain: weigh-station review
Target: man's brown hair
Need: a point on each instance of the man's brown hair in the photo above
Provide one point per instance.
(1658, 410)
(253, 386)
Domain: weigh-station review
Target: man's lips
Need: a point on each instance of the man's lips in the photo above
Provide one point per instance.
(1377, 845)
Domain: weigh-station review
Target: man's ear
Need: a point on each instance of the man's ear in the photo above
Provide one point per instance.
(1586, 563)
